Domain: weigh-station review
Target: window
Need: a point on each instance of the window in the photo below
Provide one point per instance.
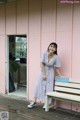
(20, 47)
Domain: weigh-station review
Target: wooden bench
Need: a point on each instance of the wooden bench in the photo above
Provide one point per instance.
(65, 89)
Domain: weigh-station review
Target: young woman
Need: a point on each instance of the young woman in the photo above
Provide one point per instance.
(50, 63)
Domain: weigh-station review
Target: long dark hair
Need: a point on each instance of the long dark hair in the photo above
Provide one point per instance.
(55, 45)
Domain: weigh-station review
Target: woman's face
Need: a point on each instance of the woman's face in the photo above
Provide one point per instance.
(52, 48)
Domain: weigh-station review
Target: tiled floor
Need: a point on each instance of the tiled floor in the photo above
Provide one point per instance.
(20, 92)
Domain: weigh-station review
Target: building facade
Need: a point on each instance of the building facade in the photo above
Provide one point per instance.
(43, 22)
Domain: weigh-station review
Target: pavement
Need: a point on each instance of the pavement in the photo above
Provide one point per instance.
(16, 109)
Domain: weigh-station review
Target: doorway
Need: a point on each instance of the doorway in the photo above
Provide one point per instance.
(16, 65)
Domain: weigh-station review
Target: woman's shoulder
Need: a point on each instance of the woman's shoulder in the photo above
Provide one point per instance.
(45, 53)
(56, 56)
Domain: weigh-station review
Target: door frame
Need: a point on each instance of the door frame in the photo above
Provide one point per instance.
(7, 63)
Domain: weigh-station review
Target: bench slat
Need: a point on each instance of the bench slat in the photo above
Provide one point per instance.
(71, 85)
(64, 96)
(68, 90)
(74, 80)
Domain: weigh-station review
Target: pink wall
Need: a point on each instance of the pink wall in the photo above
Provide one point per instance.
(43, 21)
(2, 19)
(2, 48)
(11, 19)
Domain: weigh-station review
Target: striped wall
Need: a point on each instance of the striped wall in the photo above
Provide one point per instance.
(43, 21)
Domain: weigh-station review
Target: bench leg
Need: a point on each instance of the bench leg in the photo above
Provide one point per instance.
(47, 103)
(55, 104)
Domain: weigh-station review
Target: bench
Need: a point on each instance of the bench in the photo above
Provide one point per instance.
(65, 89)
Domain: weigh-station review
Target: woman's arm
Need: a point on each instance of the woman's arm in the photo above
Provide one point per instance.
(58, 71)
(43, 71)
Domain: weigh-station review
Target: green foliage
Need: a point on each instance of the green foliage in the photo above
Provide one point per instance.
(14, 66)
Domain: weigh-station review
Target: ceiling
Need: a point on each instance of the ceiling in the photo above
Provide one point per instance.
(6, 1)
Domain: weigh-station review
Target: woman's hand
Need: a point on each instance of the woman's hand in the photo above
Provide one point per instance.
(44, 77)
(58, 71)
(43, 71)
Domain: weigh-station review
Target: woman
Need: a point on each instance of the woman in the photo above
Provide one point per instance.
(45, 81)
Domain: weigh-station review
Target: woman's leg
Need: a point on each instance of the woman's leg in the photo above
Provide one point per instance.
(35, 99)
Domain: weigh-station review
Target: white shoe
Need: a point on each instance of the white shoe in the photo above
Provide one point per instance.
(31, 105)
(44, 107)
